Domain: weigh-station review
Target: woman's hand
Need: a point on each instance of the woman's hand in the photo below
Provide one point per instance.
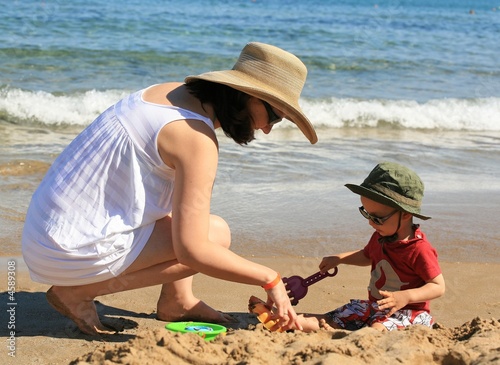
(284, 313)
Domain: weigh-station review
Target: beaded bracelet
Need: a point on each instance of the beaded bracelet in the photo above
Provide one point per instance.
(273, 283)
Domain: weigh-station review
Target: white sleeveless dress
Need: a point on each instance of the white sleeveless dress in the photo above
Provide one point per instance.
(97, 206)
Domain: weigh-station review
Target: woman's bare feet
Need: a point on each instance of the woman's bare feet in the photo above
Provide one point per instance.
(173, 310)
(82, 312)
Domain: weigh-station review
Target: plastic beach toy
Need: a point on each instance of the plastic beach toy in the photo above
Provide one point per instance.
(206, 330)
(264, 313)
(296, 286)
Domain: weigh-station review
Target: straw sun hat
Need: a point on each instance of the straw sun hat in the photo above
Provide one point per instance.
(270, 74)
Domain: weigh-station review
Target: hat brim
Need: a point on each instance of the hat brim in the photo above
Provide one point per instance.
(242, 82)
(382, 199)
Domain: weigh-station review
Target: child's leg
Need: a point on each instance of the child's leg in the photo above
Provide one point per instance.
(351, 316)
(313, 322)
(309, 322)
(401, 319)
(329, 326)
(379, 326)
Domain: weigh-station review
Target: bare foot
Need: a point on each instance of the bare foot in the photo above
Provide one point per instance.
(82, 312)
(173, 311)
(326, 326)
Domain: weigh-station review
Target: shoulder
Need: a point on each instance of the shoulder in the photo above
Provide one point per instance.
(187, 140)
(422, 243)
(425, 256)
(157, 94)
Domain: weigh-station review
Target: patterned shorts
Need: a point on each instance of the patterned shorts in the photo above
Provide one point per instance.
(363, 313)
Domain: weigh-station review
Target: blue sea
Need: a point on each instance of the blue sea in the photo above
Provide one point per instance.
(416, 82)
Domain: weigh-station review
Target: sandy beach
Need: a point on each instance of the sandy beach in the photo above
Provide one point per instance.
(467, 329)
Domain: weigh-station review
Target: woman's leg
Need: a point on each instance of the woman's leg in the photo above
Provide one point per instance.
(155, 265)
(77, 302)
(177, 301)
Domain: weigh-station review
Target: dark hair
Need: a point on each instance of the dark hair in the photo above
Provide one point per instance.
(230, 106)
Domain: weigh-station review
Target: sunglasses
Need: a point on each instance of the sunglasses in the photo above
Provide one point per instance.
(273, 118)
(377, 220)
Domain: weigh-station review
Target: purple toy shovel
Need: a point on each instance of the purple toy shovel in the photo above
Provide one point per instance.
(296, 286)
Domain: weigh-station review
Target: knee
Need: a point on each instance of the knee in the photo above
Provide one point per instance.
(219, 231)
(379, 326)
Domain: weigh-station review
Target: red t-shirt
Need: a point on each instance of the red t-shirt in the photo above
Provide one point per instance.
(401, 265)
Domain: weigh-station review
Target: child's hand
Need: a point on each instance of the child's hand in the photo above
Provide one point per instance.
(328, 262)
(393, 301)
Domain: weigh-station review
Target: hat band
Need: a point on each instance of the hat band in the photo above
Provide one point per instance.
(397, 197)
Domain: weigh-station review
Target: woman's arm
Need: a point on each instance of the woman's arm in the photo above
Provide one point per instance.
(191, 149)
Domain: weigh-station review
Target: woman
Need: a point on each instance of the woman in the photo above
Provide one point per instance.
(127, 204)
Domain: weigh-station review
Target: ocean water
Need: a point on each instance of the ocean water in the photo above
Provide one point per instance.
(416, 82)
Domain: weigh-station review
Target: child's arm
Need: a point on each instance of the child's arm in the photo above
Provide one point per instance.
(356, 258)
(394, 301)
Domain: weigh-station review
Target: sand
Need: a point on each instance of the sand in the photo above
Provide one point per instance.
(467, 329)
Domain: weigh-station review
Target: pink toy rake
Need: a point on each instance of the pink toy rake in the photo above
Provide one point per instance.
(296, 286)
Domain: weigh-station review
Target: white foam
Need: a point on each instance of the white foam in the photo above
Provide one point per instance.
(446, 114)
(42, 107)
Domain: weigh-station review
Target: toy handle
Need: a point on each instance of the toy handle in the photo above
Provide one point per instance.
(296, 286)
(314, 278)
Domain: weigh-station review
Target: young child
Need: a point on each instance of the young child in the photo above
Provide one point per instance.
(405, 274)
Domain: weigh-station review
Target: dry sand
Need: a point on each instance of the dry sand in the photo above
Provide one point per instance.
(467, 329)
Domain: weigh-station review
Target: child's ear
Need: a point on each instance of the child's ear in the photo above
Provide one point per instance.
(406, 216)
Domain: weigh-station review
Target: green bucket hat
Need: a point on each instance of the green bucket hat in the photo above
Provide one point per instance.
(393, 185)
